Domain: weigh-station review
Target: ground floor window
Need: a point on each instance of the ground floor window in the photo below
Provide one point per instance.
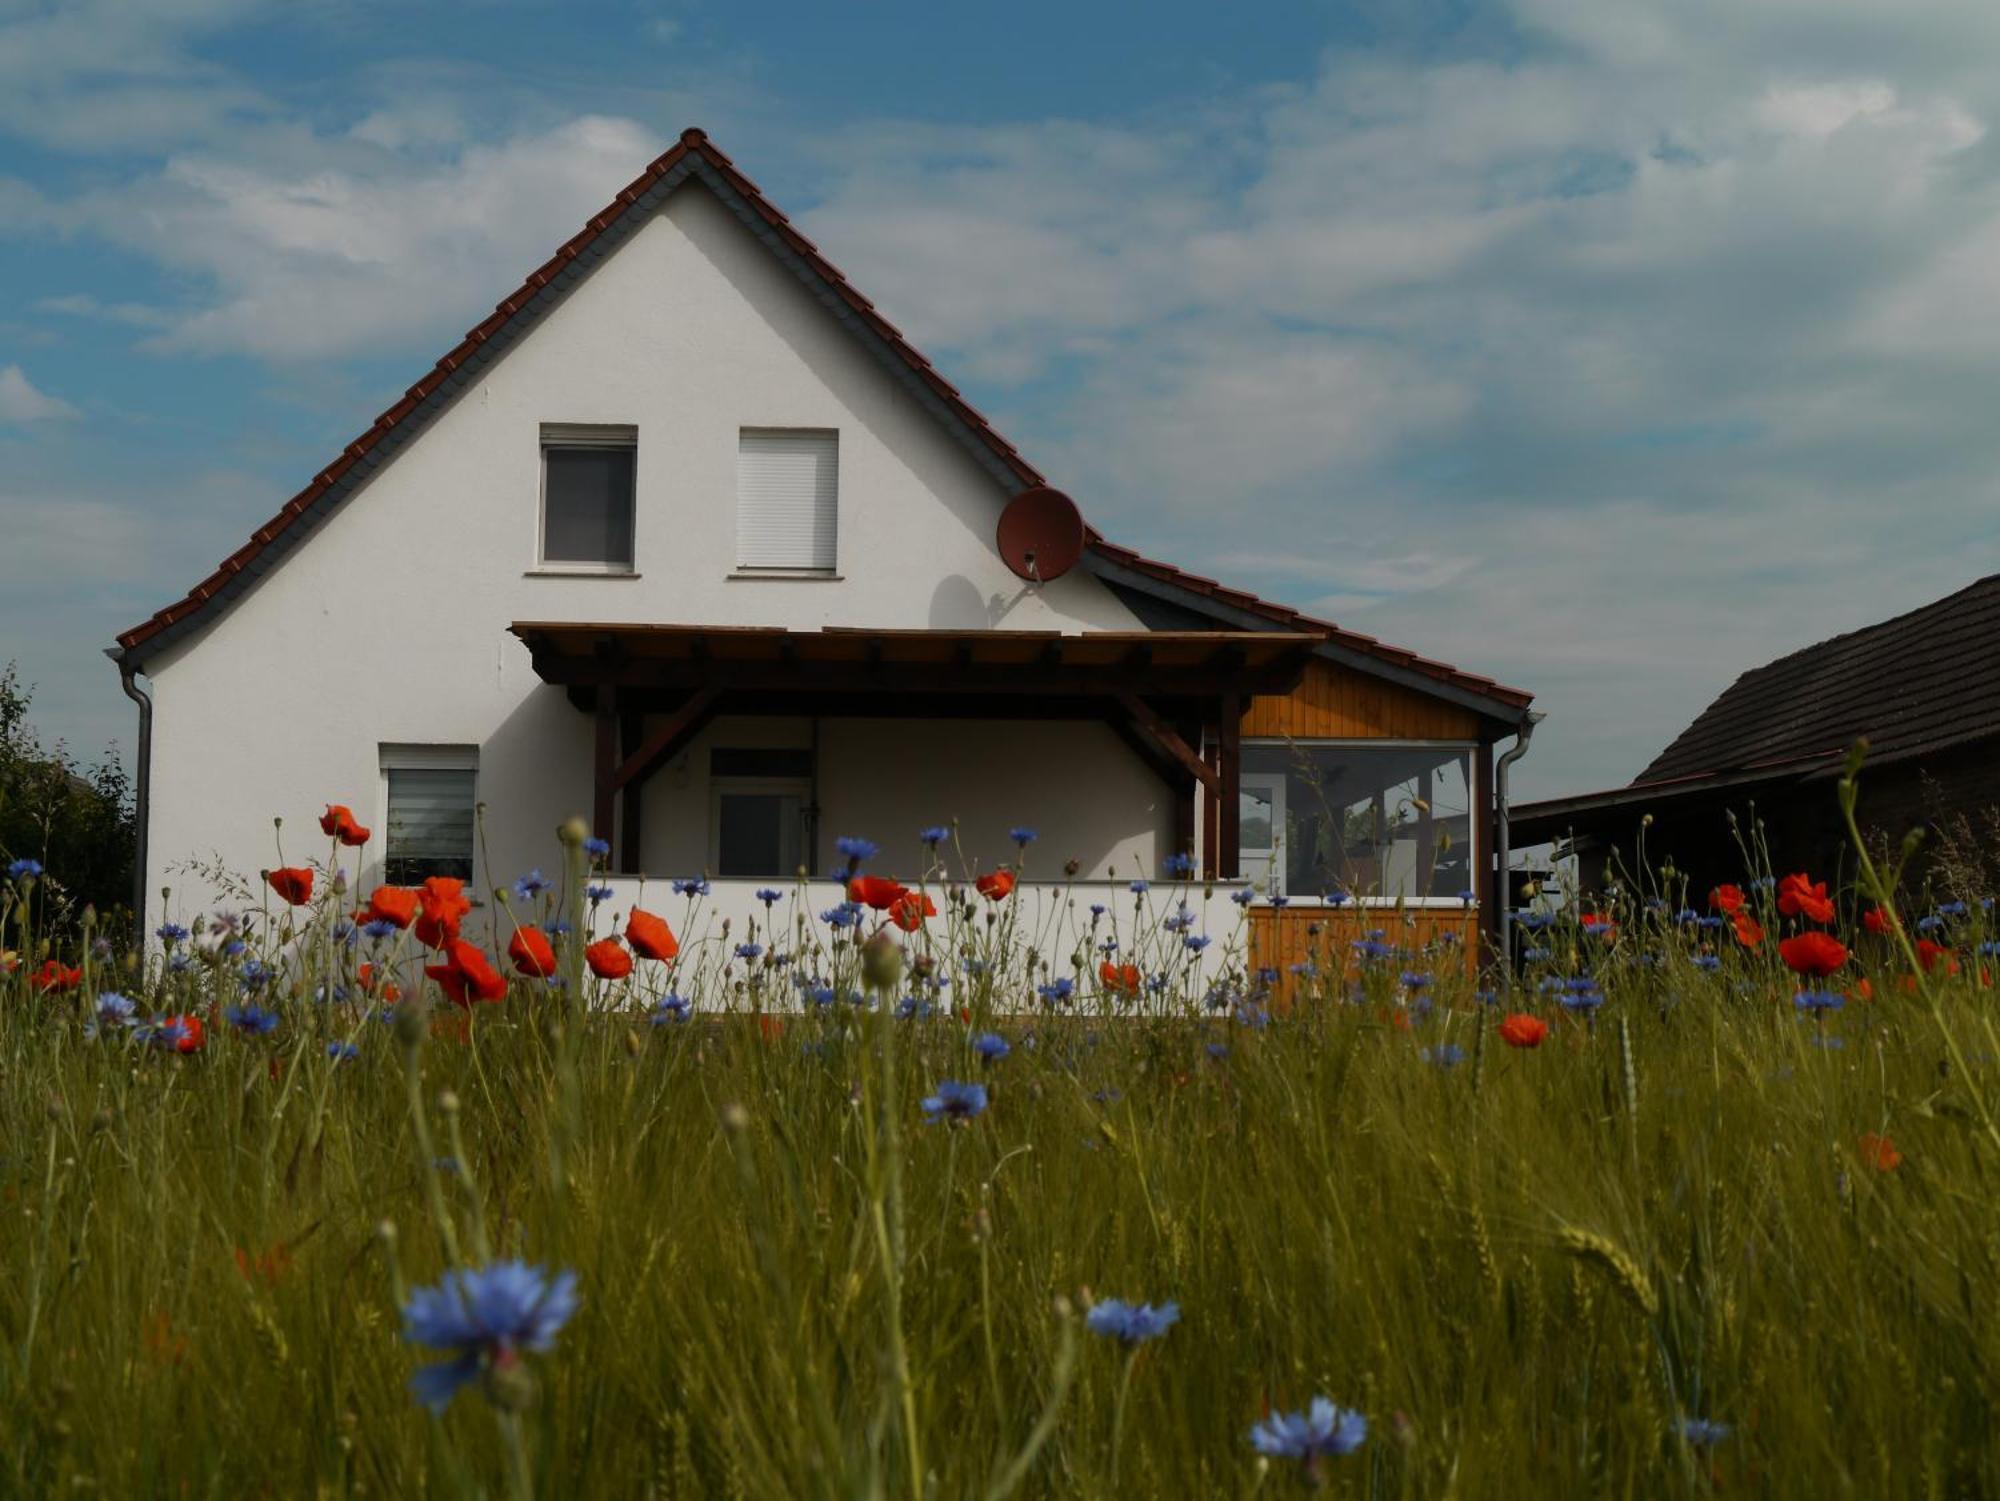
(1388, 821)
(761, 811)
(429, 793)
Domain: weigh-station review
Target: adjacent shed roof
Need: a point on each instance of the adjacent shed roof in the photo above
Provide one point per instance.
(1910, 685)
(694, 155)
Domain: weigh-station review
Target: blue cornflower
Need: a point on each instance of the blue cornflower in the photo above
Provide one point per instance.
(691, 886)
(1336, 898)
(1321, 1430)
(24, 870)
(1243, 896)
(912, 1008)
(1218, 1051)
(598, 895)
(955, 1102)
(234, 947)
(846, 915)
(342, 1052)
(1709, 962)
(1132, 1323)
(532, 885)
(1929, 924)
(1371, 949)
(1989, 950)
(484, 1316)
(1057, 990)
(1178, 867)
(555, 927)
(1196, 942)
(1687, 915)
(1109, 946)
(1414, 981)
(1097, 910)
(380, 930)
(1252, 1016)
(255, 974)
(769, 896)
(112, 1010)
(1180, 922)
(1710, 923)
(1468, 897)
(749, 950)
(170, 933)
(1140, 888)
(1534, 922)
(1819, 1000)
(856, 850)
(1701, 1432)
(1279, 899)
(672, 1008)
(821, 995)
(1445, 1055)
(991, 1046)
(934, 836)
(1599, 928)
(179, 964)
(252, 1020)
(1585, 1001)
(1534, 956)
(596, 848)
(1023, 836)
(1266, 976)
(1951, 909)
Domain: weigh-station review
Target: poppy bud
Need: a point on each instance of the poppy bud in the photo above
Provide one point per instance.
(413, 1015)
(509, 1384)
(881, 961)
(573, 832)
(735, 1117)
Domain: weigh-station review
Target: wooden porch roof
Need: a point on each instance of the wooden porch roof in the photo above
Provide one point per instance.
(863, 661)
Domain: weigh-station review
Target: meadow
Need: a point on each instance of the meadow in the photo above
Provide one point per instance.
(881, 1202)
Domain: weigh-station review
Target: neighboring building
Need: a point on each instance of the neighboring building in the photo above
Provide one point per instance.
(688, 536)
(1923, 689)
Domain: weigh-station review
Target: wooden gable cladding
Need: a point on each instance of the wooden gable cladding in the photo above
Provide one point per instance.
(1333, 702)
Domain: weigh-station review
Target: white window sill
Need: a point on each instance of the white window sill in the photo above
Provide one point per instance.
(581, 573)
(784, 576)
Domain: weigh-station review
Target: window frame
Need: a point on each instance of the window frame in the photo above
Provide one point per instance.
(394, 756)
(827, 570)
(622, 436)
(1475, 834)
(739, 786)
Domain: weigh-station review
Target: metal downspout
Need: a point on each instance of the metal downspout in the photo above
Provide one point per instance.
(141, 785)
(1514, 753)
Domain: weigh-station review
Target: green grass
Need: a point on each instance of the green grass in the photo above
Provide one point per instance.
(1526, 1269)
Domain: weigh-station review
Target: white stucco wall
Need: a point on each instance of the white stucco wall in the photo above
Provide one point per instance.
(389, 624)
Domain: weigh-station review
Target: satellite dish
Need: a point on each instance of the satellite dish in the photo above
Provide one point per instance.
(1041, 534)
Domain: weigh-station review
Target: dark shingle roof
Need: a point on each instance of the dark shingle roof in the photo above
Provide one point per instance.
(1910, 685)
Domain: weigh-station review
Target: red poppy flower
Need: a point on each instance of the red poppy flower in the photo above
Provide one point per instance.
(443, 905)
(1879, 1152)
(369, 975)
(878, 892)
(1523, 1031)
(1930, 954)
(292, 882)
(54, 978)
(608, 960)
(1879, 920)
(1727, 900)
(1749, 932)
(1801, 896)
(392, 904)
(996, 885)
(466, 976)
(1814, 954)
(910, 910)
(338, 823)
(1862, 991)
(650, 936)
(189, 1036)
(1598, 924)
(529, 949)
(771, 1027)
(1122, 978)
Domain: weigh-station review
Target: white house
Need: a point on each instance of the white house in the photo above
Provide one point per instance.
(687, 536)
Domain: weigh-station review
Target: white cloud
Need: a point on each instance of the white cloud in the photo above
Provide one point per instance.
(21, 402)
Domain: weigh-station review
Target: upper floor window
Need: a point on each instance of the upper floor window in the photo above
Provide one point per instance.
(787, 499)
(587, 496)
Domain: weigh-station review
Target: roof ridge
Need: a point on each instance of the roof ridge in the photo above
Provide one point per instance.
(695, 147)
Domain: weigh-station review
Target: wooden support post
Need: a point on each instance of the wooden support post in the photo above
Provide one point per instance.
(1489, 885)
(1229, 764)
(605, 768)
(1211, 808)
(631, 798)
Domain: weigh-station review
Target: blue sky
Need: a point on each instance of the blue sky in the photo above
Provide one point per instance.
(1606, 347)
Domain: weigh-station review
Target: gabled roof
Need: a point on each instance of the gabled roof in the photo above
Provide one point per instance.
(1911, 685)
(694, 155)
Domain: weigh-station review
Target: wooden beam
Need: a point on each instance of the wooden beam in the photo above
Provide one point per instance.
(1164, 735)
(682, 726)
(1230, 765)
(1030, 679)
(1211, 812)
(604, 768)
